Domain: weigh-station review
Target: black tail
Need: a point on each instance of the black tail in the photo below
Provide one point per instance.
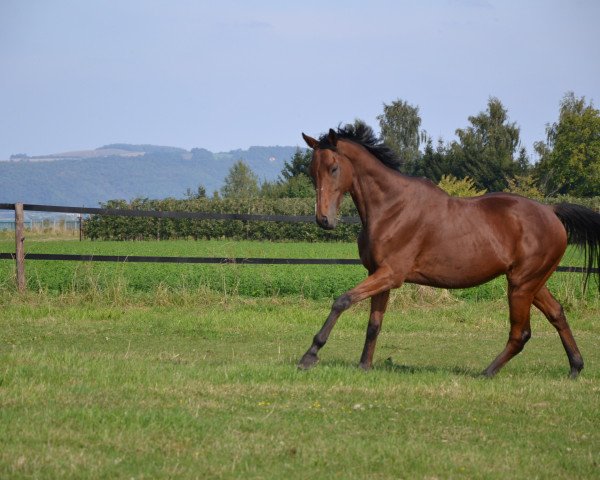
(583, 230)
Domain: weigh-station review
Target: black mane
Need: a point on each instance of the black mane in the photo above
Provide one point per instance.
(363, 135)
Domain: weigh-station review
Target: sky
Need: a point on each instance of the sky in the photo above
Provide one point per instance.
(230, 74)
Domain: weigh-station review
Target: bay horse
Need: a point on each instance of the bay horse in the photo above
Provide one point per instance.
(412, 231)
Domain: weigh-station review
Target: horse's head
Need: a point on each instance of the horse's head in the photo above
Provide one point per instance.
(331, 173)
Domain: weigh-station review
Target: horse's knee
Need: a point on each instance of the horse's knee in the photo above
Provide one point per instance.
(342, 303)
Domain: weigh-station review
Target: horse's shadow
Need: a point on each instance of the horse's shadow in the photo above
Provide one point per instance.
(390, 366)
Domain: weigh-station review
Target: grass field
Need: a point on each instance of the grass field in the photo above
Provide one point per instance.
(180, 380)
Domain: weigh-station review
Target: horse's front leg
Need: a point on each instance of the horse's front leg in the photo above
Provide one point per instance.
(380, 281)
(378, 306)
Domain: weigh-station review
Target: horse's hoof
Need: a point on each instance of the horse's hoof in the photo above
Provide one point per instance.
(308, 361)
(576, 368)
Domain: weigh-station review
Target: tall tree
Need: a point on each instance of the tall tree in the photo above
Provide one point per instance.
(570, 157)
(294, 181)
(240, 182)
(400, 125)
(486, 150)
(298, 165)
(199, 193)
(433, 162)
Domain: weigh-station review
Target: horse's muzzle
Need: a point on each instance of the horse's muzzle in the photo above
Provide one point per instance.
(325, 222)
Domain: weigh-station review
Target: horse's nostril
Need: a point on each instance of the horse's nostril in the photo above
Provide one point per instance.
(324, 222)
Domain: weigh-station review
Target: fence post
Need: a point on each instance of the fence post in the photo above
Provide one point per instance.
(20, 246)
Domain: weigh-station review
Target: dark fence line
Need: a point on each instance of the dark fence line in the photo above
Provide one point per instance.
(150, 259)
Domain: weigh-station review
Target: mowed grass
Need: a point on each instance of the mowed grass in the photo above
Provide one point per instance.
(186, 381)
(212, 391)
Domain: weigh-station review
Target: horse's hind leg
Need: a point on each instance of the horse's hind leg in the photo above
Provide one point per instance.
(378, 306)
(555, 314)
(519, 300)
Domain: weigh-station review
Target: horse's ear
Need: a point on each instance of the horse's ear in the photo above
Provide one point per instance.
(332, 137)
(311, 142)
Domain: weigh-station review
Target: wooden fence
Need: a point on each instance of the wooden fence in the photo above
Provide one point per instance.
(19, 255)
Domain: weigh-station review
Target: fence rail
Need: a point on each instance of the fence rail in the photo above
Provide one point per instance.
(19, 256)
(216, 260)
(219, 260)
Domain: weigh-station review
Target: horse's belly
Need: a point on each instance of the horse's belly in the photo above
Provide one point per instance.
(451, 280)
(454, 273)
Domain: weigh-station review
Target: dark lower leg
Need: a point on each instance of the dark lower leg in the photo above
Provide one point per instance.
(555, 314)
(378, 306)
(573, 354)
(310, 358)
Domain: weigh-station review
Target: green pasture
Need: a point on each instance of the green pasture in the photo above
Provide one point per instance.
(105, 376)
(210, 390)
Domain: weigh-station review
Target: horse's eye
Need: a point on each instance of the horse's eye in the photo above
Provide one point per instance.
(334, 169)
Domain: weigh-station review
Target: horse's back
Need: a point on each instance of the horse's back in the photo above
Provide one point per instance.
(533, 221)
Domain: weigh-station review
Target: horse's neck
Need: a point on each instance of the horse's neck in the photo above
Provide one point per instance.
(376, 187)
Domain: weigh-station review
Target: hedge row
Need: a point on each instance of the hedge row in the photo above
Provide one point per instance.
(145, 228)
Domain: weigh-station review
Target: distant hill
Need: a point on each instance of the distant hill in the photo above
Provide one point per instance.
(123, 171)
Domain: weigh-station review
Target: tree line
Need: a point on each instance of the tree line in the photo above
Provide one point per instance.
(487, 155)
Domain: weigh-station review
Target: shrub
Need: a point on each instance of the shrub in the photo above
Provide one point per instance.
(464, 187)
(99, 227)
(146, 228)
